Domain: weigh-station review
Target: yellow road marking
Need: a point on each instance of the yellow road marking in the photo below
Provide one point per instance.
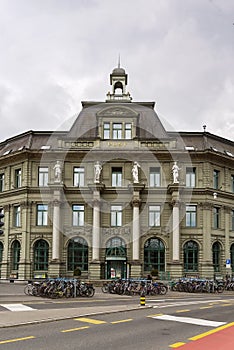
(74, 329)
(202, 335)
(205, 307)
(176, 345)
(16, 339)
(226, 305)
(183, 310)
(155, 315)
(120, 321)
(89, 320)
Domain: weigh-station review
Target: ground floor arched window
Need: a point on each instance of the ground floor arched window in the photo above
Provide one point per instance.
(154, 255)
(40, 255)
(77, 254)
(232, 256)
(191, 256)
(115, 247)
(15, 253)
(216, 251)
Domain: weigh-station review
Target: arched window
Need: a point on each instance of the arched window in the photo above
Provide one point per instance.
(232, 256)
(154, 255)
(216, 256)
(77, 254)
(41, 255)
(191, 256)
(15, 250)
(116, 247)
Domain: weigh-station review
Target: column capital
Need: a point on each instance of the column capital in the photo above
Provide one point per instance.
(176, 203)
(206, 205)
(56, 203)
(136, 202)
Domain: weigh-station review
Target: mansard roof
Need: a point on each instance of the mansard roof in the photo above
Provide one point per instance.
(148, 122)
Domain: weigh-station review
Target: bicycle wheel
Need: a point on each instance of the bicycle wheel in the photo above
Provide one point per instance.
(105, 288)
(163, 290)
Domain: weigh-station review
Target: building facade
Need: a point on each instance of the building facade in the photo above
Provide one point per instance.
(117, 195)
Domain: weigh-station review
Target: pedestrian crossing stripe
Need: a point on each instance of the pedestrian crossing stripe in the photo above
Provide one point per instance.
(90, 320)
(17, 307)
(191, 320)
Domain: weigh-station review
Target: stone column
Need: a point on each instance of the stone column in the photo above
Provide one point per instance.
(136, 265)
(136, 230)
(207, 269)
(175, 232)
(25, 265)
(56, 231)
(96, 227)
(95, 265)
(55, 266)
(175, 266)
(5, 269)
(227, 212)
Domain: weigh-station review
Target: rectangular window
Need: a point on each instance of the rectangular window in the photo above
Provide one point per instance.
(128, 131)
(17, 216)
(116, 215)
(216, 179)
(43, 174)
(232, 218)
(190, 177)
(42, 215)
(191, 216)
(18, 179)
(117, 131)
(116, 177)
(106, 131)
(216, 213)
(2, 177)
(232, 183)
(154, 215)
(78, 215)
(78, 177)
(155, 177)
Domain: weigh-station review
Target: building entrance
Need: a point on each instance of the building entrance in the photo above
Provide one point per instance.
(116, 269)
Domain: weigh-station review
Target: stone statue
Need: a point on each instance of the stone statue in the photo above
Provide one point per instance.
(135, 171)
(175, 172)
(57, 171)
(97, 172)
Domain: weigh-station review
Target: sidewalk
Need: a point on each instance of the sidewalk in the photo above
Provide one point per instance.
(14, 293)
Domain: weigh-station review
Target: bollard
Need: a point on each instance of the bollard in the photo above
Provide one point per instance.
(142, 300)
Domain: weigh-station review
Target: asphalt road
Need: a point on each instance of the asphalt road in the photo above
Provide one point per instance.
(165, 322)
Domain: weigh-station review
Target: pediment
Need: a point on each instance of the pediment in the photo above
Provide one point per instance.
(117, 112)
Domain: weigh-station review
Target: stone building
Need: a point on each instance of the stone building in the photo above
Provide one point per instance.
(117, 195)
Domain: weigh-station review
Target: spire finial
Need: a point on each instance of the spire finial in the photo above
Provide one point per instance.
(119, 61)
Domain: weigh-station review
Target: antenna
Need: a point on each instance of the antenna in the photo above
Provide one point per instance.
(119, 61)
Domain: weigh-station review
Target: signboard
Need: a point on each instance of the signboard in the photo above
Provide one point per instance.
(228, 263)
(112, 273)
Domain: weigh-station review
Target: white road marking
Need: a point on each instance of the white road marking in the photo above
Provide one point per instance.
(17, 307)
(190, 320)
(186, 303)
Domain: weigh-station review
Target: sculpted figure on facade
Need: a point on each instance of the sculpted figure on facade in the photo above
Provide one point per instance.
(57, 172)
(135, 172)
(97, 172)
(175, 173)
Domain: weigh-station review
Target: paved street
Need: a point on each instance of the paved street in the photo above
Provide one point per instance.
(177, 320)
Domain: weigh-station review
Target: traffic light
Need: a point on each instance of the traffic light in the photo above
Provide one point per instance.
(1, 223)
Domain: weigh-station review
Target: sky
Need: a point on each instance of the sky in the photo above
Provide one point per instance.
(56, 53)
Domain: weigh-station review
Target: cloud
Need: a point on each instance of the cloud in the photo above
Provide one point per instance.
(56, 53)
